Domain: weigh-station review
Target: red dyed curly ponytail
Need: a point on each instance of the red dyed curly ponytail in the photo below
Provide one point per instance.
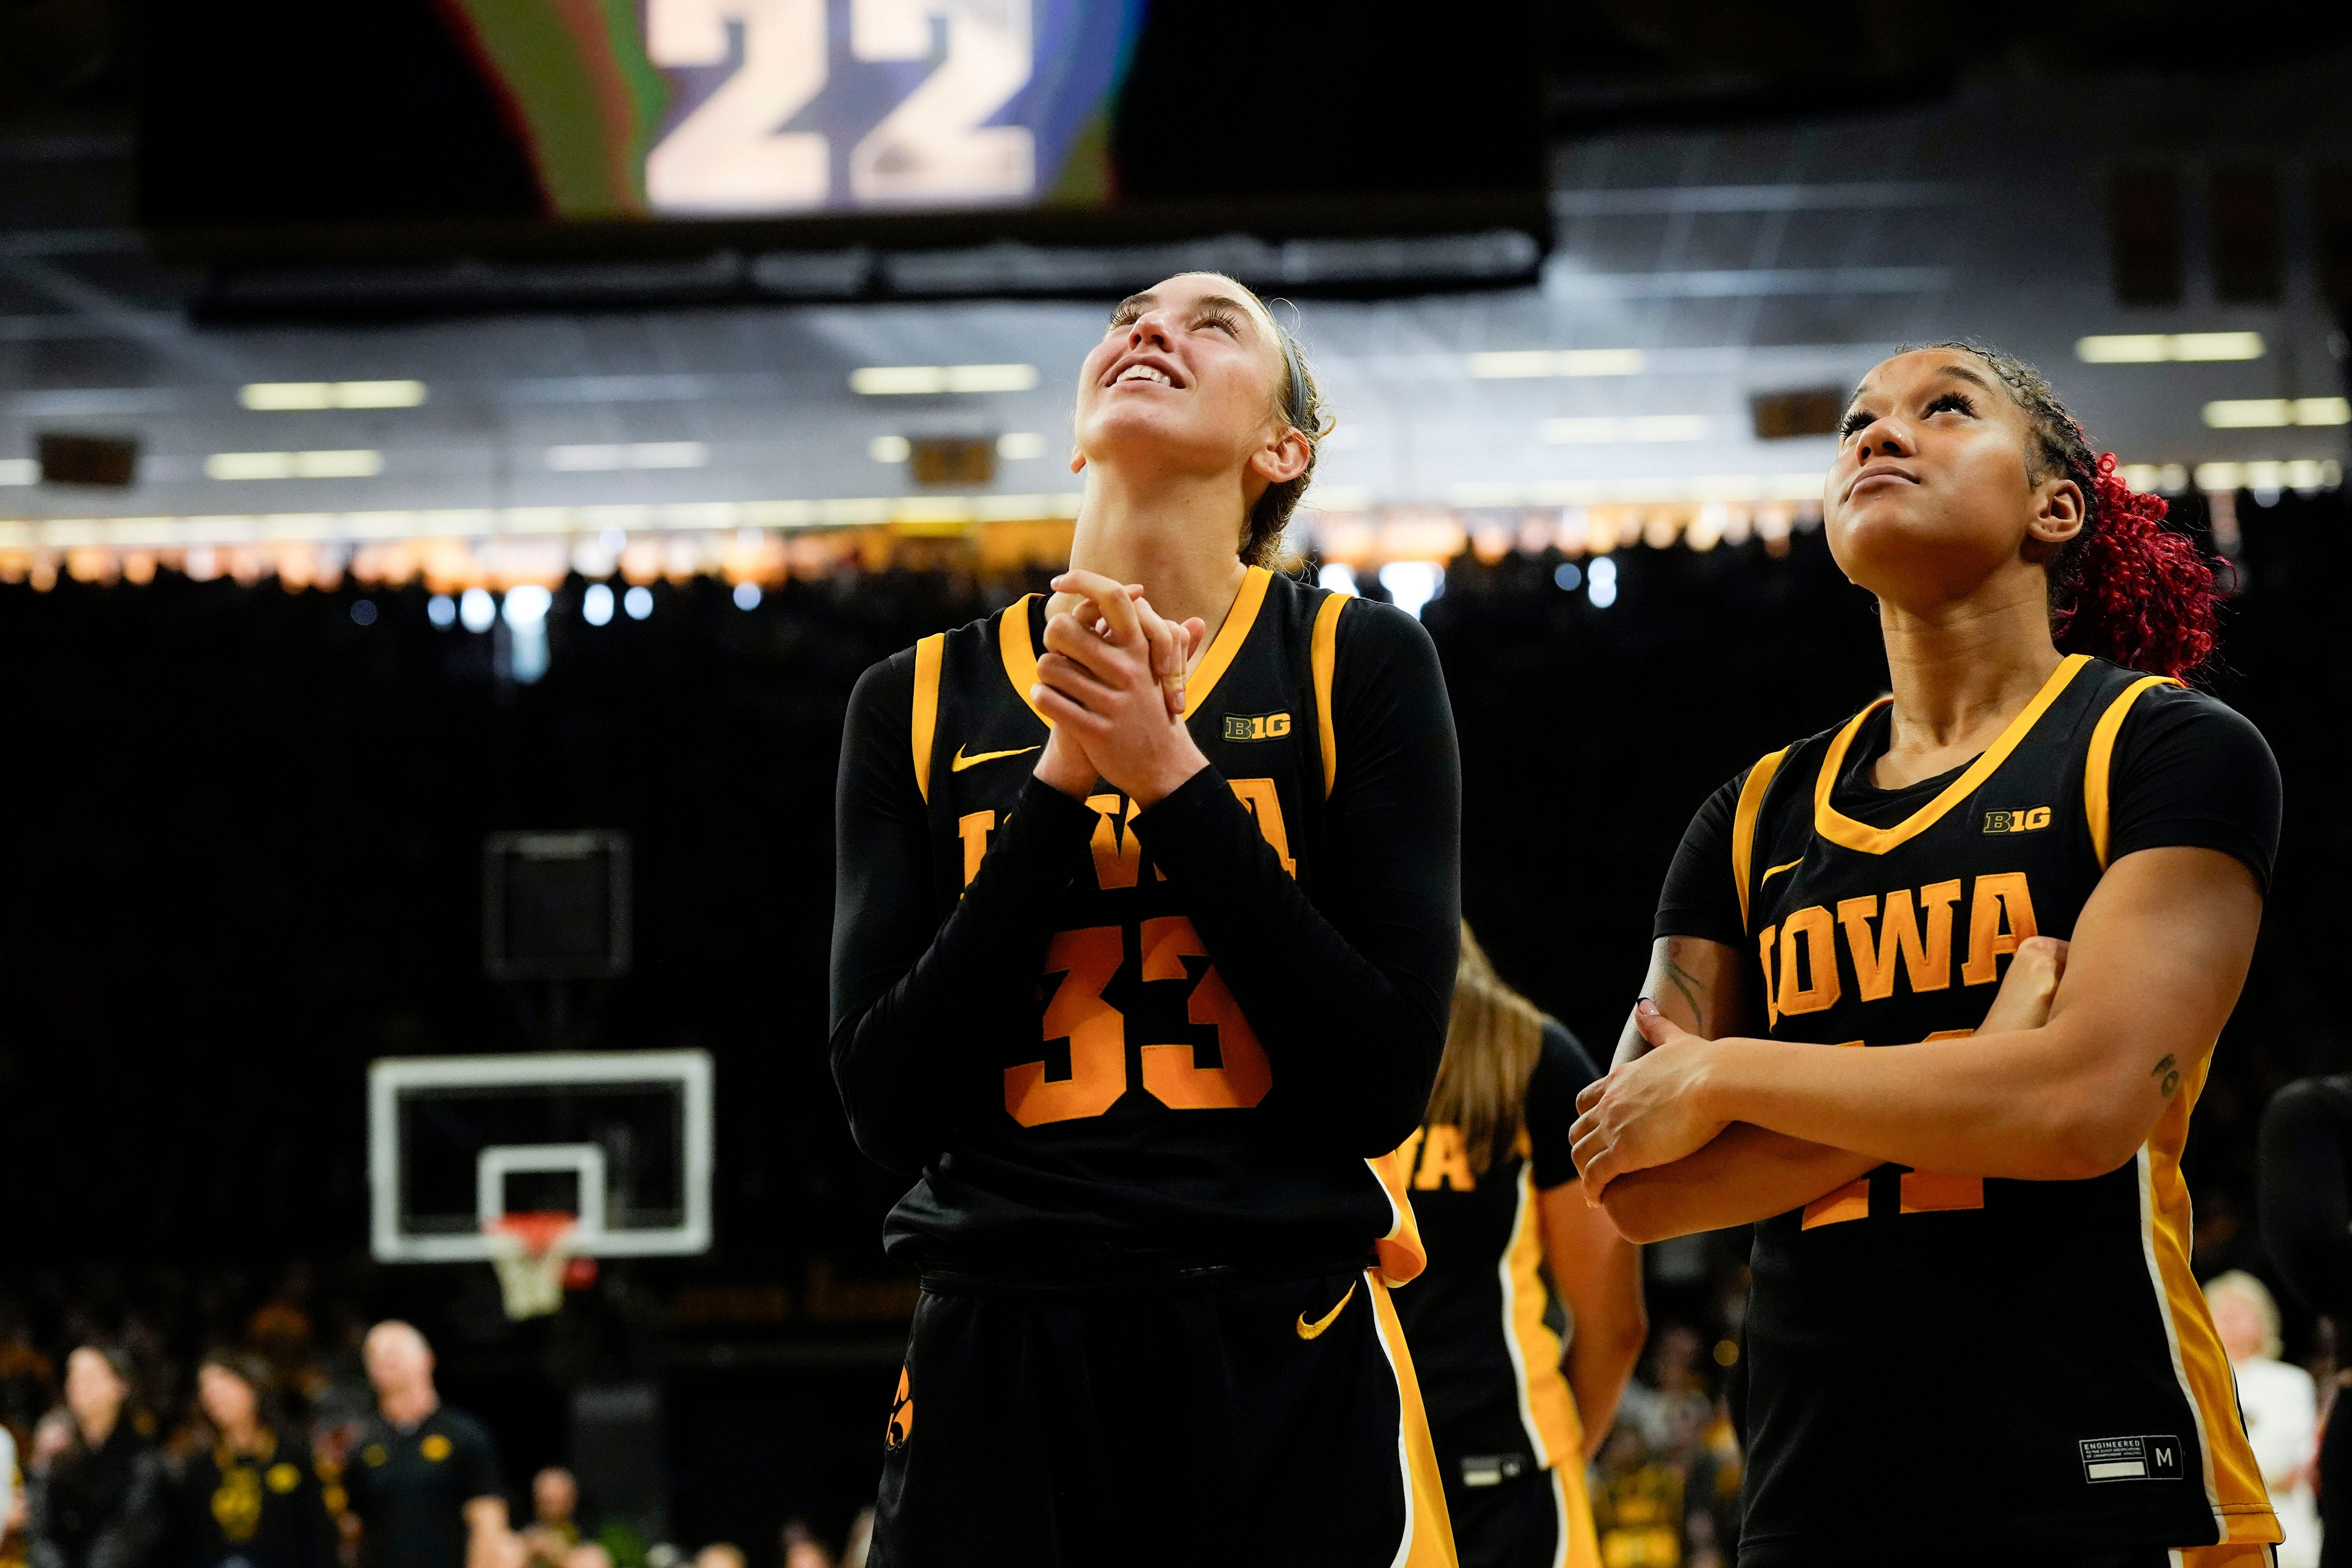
(2125, 588)
(2141, 594)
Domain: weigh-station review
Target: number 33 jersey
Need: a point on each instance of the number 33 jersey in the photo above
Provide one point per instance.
(1168, 1061)
(1978, 1362)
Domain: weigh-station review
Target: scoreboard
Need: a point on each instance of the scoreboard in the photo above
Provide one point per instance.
(767, 108)
(370, 129)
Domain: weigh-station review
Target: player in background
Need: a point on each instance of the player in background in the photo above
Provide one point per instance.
(1495, 1193)
(1972, 1335)
(1144, 938)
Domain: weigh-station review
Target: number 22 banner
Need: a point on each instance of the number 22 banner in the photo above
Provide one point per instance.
(742, 107)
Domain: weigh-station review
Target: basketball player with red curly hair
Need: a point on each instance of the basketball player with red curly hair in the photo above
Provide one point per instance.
(1973, 1335)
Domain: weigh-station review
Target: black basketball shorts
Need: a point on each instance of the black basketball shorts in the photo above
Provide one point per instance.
(1537, 1519)
(1276, 1422)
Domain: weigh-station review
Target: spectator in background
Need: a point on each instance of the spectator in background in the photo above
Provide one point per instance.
(855, 1551)
(1638, 1512)
(27, 1381)
(11, 1496)
(2281, 1406)
(802, 1548)
(719, 1555)
(553, 1530)
(252, 1499)
(2305, 1157)
(423, 1480)
(99, 1501)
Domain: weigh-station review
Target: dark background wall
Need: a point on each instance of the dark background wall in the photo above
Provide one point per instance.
(246, 836)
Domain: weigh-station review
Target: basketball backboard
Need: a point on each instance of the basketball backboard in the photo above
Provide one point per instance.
(622, 1139)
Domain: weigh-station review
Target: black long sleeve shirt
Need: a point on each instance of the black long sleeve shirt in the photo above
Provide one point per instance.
(1331, 925)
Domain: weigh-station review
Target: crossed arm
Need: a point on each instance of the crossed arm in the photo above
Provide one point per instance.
(1689, 1133)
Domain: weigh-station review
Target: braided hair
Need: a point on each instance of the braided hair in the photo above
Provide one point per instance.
(2125, 587)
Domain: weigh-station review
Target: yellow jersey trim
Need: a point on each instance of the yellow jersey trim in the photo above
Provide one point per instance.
(1743, 822)
(2101, 761)
(1547, 1406)
(1427, 1539)
(2231, 1475)
(1326, 662)
(928, 655)
(1841, 829)
(1229, 639)
(1020, 658)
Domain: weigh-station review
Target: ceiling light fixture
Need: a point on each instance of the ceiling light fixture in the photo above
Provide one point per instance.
(1640, 428)
(338, 465)
(2270, 413)
(289, 396)
(912, 380)
(1526, 364)
(605, 458)
(2159, 348)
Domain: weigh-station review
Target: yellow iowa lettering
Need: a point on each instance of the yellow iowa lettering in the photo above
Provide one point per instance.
(1910, 931)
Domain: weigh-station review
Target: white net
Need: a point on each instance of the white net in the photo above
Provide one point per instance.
(530, 1252)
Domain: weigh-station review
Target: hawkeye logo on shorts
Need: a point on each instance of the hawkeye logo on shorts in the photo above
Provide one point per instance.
(2026, 821)
(2130, 1460)
(1256, 726)
(901, 1425)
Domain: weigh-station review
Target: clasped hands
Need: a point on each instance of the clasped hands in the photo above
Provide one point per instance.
(1111, 682)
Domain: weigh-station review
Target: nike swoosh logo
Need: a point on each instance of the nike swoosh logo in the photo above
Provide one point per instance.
(963, 761)
(1307, 1330)
(1778, 869)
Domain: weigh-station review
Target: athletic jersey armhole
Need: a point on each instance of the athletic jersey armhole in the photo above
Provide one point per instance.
(1325, 661)
(1743, 821)
(2099, 766)
(926, 715)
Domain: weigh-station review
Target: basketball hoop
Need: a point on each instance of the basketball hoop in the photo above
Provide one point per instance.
(536, 1257)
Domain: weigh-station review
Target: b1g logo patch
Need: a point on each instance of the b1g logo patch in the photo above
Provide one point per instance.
(2028, 821)
(1256, 726)
(902, 1414)
(2130, 1460)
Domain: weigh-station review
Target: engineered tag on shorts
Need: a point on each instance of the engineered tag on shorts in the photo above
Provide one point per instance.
(2148, 1458)
(1492, 1470)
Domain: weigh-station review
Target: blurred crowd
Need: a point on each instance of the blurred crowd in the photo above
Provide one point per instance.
(284, 1448)
(281, 1450)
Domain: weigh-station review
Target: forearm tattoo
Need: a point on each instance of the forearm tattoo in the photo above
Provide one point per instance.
(1694, 990)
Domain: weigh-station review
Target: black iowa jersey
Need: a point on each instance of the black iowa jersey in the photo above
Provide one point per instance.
(1485, 1327)
(1180, 1036)
(1481, 1317)
(1944, 1368)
